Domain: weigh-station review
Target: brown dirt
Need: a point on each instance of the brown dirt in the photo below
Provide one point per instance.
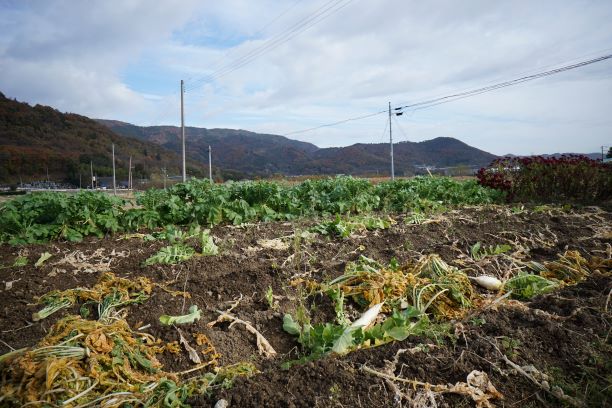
(564, 334)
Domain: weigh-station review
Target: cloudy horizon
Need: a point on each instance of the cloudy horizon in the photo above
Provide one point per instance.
(123, 60)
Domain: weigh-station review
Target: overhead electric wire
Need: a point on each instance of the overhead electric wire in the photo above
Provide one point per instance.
(382, 138)
(335, 123)
(397, 123)
(167, 114)
(217, 64)
(529, 71)
(330, 8)
(462, 95)
(249, 56)
(278, 17)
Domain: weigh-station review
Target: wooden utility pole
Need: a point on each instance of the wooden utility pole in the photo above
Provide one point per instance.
(93, 180)
(130, 175)
(391, 144)
(114, 181)
(210, 165)
(183, 131)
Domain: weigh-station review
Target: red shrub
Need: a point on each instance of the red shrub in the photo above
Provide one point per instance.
(544, 179)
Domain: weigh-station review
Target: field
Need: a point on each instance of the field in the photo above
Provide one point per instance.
(280, 283)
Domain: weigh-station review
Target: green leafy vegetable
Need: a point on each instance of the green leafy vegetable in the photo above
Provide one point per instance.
(346, 227)
(20, 261)
(52, 305)
(208, 245)
(43, 257)
(194, 314)
(322, 339)
(290, 326)
(526, 286)
(478, 251)
(172, 254)
(41, 217)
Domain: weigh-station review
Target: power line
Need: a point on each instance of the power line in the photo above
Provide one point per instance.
(384, 133)
(474, 92)
(167, 104)
(336, 123)
(323, 12)
(536, 70)
(461, 95)
(260, 31)
(272, 42)
(397, 123)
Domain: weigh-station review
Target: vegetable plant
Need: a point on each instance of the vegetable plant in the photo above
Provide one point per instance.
(192, 316)
(41, 217)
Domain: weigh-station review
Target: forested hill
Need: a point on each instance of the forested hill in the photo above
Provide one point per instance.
(38, 139)
(263, 154)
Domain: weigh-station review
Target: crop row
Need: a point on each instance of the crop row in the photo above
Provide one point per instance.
(41, 217)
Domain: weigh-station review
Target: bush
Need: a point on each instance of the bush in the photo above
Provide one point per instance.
(569, 178)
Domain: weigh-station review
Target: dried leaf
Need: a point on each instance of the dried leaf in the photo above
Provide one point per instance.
(479, 388)
(193, 354)
(99, 342)
(277, 244)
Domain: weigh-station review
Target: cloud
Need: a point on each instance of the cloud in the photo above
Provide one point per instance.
(70, 54)
(123, 60)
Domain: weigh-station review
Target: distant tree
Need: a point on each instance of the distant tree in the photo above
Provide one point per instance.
(609, 155)
(140, 172)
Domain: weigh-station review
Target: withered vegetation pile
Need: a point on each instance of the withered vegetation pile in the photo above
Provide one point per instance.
(103, 362)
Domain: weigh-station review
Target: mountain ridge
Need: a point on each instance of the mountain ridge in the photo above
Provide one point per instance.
(266, 154)
(37, 141)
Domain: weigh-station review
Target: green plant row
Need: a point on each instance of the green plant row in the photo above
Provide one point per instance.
(41, 217)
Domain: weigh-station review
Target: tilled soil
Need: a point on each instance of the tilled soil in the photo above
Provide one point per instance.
(565, 334)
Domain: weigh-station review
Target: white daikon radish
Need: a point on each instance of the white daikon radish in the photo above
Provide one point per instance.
(367, 318)
(344, 343)
(487, 282)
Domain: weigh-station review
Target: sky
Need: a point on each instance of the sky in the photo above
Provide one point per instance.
(282, 66)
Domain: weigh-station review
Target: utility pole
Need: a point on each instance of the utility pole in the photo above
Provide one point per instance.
(130, 175)
(114, 181)
(391, 144)
(183, 131)
(210, 165)
(92, 176)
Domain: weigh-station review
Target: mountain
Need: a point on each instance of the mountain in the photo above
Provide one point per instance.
(39, 140)
(373, 158)
(239, 150)
(264, 154)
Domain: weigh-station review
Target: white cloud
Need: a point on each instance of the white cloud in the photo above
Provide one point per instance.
(69, 54)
